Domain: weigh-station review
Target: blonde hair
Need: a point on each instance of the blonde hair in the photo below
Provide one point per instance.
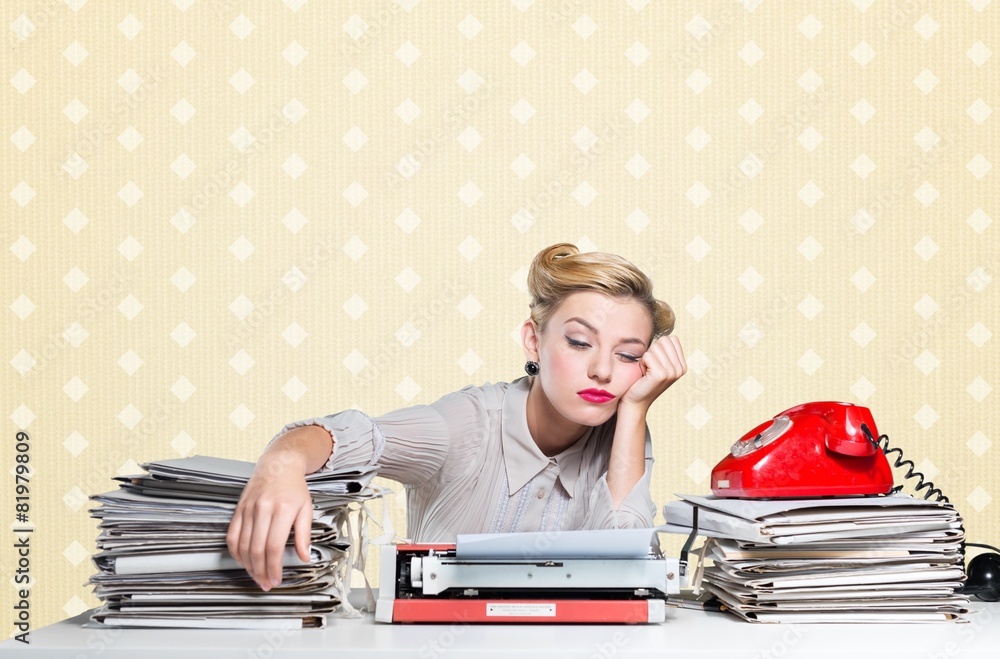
(561, 270)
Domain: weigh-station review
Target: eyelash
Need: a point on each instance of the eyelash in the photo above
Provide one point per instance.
(580, 345)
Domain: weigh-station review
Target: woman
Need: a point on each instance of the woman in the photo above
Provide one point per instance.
(566, 447)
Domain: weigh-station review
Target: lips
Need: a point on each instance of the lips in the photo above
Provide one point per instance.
(596, 395)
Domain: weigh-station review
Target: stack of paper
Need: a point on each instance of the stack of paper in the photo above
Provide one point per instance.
(854, 559)
(163, 560)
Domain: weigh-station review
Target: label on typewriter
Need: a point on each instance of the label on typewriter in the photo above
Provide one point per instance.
(521, 609)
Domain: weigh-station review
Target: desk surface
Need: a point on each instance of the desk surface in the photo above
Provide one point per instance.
(686, 633)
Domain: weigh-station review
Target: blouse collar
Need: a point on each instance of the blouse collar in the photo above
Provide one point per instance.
(522, 458)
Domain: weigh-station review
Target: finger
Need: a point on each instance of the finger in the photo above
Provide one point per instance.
(277, 539)
(674, 355)
(654, 359)
(679, 351)
(243, 545)
(245, 538)
(657, 359)
(303, 527)
(257, 547)
(233, 535)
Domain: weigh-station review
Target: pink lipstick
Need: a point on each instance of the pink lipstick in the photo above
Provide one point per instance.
(595, 395)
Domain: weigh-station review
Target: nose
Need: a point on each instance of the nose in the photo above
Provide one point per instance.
(600, 367)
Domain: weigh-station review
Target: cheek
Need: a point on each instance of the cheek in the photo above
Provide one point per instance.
(630, 373)
(559, 364)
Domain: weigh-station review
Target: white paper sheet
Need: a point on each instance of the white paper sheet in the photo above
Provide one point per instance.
(546, 545)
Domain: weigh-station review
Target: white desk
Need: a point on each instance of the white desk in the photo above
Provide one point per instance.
(688, 634)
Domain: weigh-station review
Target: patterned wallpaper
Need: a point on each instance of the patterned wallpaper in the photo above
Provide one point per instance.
(222, 216)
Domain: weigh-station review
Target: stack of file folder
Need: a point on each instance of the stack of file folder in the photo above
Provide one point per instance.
(163, 561)
(854, 559)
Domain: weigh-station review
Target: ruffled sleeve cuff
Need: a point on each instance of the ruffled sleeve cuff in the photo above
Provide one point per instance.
(636, 510)
(355, 438)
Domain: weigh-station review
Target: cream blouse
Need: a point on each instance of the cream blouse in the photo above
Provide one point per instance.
(469, 465)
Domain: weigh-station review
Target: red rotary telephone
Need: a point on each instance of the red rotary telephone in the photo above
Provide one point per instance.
(811, 450)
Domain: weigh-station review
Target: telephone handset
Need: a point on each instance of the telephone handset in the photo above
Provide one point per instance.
(811, 450)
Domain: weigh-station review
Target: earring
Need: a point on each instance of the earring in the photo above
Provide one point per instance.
(531, 368)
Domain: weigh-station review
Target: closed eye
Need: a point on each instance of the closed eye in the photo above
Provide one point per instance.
(581, 345)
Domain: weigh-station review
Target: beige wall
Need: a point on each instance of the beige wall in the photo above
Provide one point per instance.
(809, 184)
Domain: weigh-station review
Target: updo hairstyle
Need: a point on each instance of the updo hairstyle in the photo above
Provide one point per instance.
(561, 270)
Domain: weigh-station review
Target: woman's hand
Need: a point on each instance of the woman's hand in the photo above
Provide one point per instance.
(274, 499)
(661, 365)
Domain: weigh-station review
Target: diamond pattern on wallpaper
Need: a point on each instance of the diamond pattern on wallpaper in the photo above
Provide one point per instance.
(862, 111)
(979, 334)
(22, 416)
(637, 220)
(863, 334)
(863, 53)
(862, 389)
(810, 138)
(751, 111)
(183, 443)
(751, 53)
(23, 139)
(470, 248)
(22, 81)
(979, 111)
(751, 389)
(979, 443)
(810, 362)
(698, 81)
(241, 417)
(294, 335)
(979, 498)
(523, 111)
(407, 389)
(130, 138)
(698, 471)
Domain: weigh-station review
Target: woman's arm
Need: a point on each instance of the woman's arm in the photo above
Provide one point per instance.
(628, 452)
(662, 365)
(409, 445)
(275, 500)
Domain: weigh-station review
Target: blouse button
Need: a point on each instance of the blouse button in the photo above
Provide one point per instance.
(541, 493)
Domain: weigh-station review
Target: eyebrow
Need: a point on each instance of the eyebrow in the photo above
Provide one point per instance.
(594, 330)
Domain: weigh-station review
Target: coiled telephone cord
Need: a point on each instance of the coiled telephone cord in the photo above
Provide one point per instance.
(896, 453)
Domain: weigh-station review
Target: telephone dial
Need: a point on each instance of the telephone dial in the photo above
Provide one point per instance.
(829, 448)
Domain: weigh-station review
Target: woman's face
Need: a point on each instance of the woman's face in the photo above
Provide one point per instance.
(589, 354)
